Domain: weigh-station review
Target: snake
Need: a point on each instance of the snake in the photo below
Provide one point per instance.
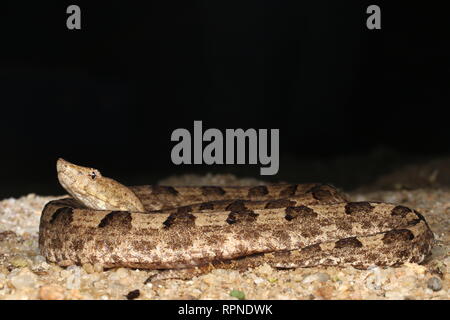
(287, 226)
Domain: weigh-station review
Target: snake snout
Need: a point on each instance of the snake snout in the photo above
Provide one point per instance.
(61, 164)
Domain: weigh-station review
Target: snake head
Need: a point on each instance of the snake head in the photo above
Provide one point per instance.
(71, 175)
(76, 178)
(88, 186)
(66, 168)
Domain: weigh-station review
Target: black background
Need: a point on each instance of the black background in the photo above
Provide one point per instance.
(350, 103)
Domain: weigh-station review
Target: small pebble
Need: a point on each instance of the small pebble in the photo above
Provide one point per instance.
(320, 277)
(98, 267)
(73, 269)
(121, 273)
(39, 259)
(264, 269)
(133, 294)
(434, 283)
(25, 279)
(325, 292)
(3, 270)
(88, 268)
(18, 262)
(51, 292)
(73, 281)
(438, 251)
(149, 285)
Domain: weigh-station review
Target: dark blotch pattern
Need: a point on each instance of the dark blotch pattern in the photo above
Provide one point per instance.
(237, 205)
(348, 243)
(319, 193)
(400, 211)
(212, 191)
(63, 215)
(322, 195)
(157, 190)
(289, 191)
(413, 222)
(356, 207)
(207, 206)
(299, 212)
(258, 191)
(120, 220)
(182, 217)
(243, 216)
(419, 216)
(280, 203)
(312, 249)
(184, 210)
(397, 236)
(48, 204)
(282, 254)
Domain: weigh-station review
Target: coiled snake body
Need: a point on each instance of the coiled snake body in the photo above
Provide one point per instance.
(286, 226)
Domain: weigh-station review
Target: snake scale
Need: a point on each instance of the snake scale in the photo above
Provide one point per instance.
(161, 227)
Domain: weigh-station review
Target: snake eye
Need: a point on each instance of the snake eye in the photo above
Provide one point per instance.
(93, 175)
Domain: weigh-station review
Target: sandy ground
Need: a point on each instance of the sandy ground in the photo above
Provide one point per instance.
(24, 273)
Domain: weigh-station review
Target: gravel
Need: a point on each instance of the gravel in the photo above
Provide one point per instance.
(320, 277)
(24, 273)
(434, 284)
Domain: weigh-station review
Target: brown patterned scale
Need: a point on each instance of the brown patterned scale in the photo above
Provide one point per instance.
(286, 226)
